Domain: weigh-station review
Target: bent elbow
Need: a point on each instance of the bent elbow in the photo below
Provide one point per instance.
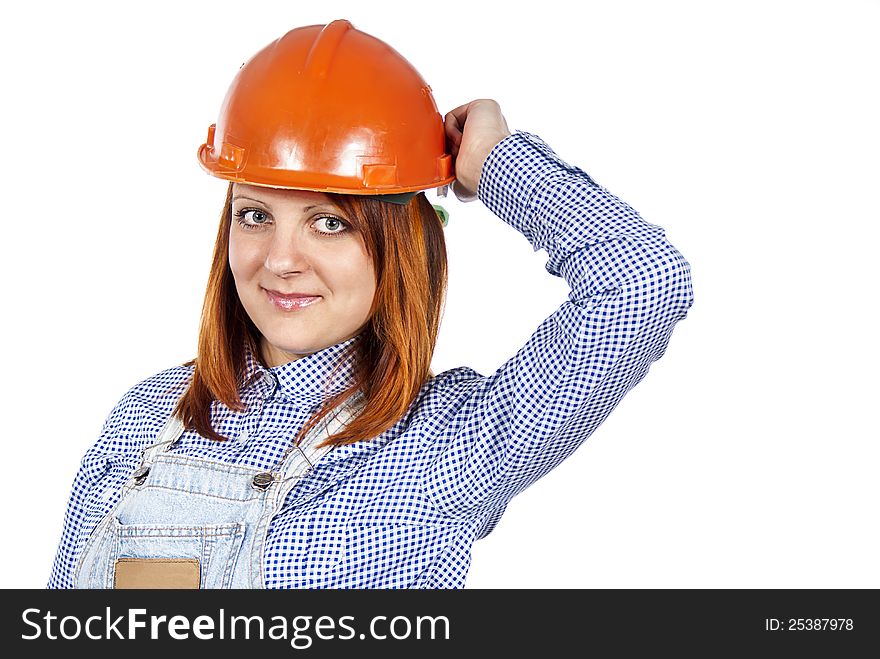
(668, 283)
(680, 287)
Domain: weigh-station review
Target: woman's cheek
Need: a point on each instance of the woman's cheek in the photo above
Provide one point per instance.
(243, 258)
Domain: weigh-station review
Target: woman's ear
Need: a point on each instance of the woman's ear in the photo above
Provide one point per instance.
(442, 213)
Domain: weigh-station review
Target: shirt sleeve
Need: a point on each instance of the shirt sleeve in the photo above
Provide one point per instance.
(134, 422)
(78, 518)
(629, 287)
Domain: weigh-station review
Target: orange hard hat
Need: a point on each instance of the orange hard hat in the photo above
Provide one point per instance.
(332, 109)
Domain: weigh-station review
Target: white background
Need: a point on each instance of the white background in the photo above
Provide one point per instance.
(748, 457)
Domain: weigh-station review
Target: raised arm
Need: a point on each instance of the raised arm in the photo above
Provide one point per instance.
(629, 287)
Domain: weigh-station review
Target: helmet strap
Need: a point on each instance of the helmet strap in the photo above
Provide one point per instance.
(402, 198)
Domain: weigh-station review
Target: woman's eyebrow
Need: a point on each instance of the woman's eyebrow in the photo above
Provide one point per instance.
(307, 208)
(259, 201)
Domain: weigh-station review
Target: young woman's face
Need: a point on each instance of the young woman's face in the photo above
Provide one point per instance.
(284, 242)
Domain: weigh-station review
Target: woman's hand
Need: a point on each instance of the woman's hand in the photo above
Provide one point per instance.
(472, 130)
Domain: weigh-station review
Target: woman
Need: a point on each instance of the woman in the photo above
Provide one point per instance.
(309, 444)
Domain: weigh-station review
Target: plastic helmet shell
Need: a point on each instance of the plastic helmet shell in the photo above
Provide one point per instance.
(332, 109)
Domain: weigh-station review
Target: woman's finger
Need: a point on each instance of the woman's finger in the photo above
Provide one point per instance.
(453, 130)
(462, 193)
(459, 114)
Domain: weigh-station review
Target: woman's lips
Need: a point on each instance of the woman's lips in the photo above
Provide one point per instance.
(291, 302)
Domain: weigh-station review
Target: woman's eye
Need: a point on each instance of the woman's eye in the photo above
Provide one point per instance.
(256, 216)
(330, 225)
(251, 218)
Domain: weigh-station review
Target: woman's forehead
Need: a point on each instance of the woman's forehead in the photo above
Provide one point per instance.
(267, 194)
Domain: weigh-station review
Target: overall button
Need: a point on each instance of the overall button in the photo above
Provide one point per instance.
(262, 481)
(141, 475)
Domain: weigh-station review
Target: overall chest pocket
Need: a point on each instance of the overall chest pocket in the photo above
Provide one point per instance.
(192, 556)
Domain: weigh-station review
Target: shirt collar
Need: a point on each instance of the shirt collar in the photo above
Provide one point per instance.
(304, 382)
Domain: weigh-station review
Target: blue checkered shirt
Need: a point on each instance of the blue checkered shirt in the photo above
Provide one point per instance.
(402, 510)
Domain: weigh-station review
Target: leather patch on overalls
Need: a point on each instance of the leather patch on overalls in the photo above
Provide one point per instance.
(156, 573)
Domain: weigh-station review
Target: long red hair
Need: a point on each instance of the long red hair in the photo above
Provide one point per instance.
(393, 354)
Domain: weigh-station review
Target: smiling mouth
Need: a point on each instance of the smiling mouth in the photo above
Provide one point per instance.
(291, 302)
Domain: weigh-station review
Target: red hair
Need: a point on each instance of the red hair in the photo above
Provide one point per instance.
(392, 358)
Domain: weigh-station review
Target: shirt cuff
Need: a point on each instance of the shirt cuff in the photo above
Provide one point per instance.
(514, 171)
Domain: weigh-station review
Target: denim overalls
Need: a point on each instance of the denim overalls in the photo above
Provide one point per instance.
(206, 515)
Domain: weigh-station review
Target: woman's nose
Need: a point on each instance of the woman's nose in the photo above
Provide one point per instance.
(286, 254)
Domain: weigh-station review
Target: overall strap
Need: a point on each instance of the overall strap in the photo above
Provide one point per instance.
(170, 433)
(303, 457)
